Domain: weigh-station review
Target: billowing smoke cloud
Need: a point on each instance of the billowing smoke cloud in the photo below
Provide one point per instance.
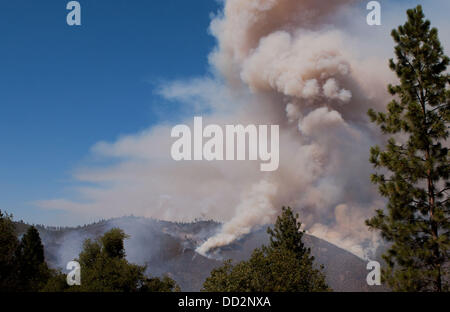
(294, 63)
(287, 52)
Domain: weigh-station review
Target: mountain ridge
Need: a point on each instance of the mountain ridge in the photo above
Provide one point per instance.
(169, 248)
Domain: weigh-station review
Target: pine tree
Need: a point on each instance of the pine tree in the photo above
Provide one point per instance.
(8, 247)
(413, 169)
(32, 268)
(285, 265)
(287, 238)
(287, 234)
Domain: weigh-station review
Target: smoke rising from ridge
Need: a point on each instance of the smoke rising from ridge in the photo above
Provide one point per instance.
(294, 63)
(287, 52)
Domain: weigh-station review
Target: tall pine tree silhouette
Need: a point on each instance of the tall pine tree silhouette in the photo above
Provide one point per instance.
(413, 168)
(33, 270)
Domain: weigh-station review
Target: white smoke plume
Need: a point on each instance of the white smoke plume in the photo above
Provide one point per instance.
(256, 208)
(287, 52)
(295, 63)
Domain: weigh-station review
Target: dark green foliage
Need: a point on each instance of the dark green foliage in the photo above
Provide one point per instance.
(22, 263)
(105, 269)
(57, 282)
(155, 284)
(414, 166)
(103, 265)
(112, 242)
(283, 266)
(32, 269)
(8, 248)
(288, 235)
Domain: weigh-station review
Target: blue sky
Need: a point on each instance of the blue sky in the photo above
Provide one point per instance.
(62, 89)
